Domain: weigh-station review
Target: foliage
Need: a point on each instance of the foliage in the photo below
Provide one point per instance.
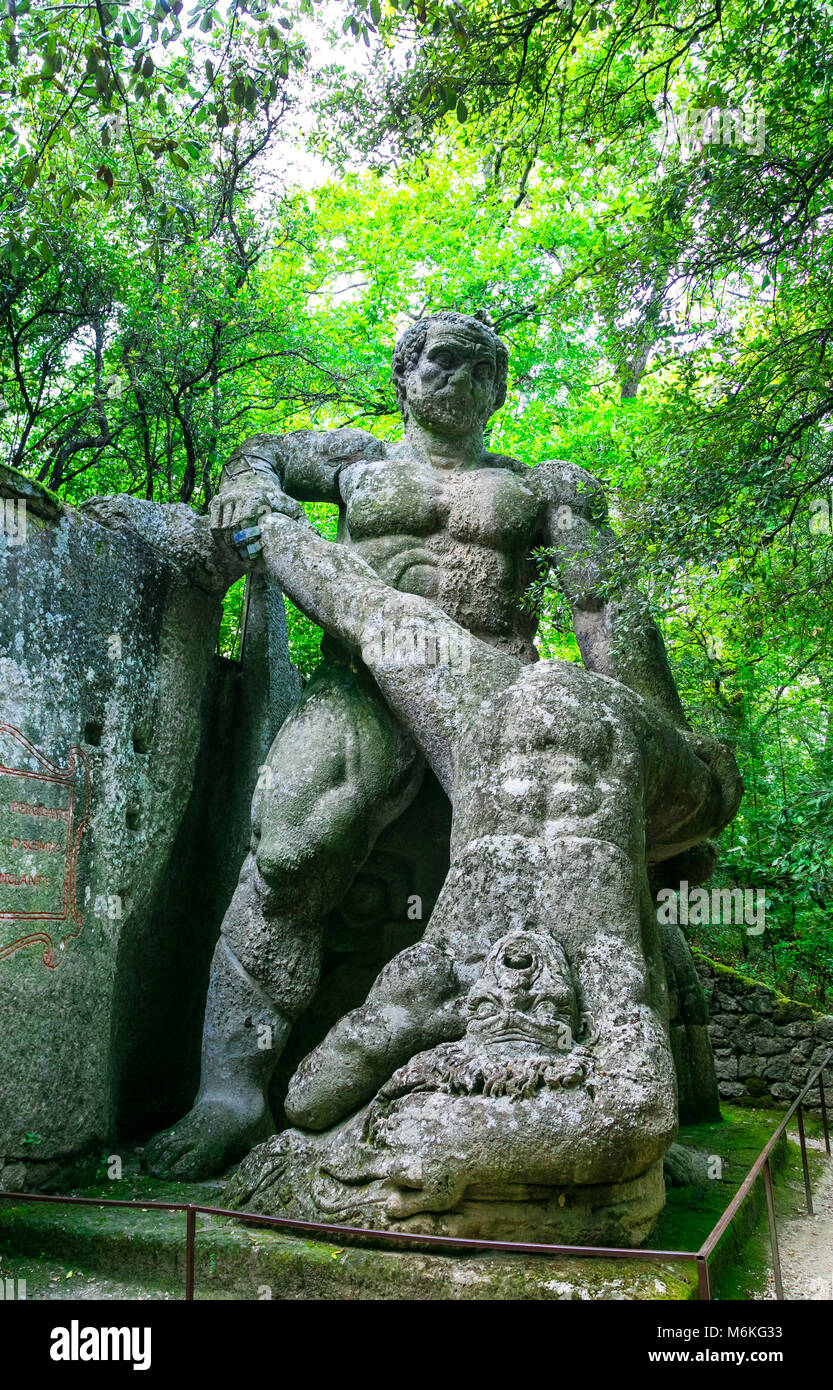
(668, 303)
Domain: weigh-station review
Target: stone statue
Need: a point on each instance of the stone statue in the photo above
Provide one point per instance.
(511, 1074)
(444, 524)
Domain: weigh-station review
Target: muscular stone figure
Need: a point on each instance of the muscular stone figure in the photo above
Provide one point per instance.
(434, 516)
(480, 1121)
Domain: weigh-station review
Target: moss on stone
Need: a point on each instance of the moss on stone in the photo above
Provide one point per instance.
(21, 484)
(783, 1007)
(757, 1087)
(146, 1247)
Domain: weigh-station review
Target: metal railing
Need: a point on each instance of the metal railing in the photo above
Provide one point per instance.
(701, 1257)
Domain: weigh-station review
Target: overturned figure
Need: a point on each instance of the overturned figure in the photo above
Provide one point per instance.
(510, 1075)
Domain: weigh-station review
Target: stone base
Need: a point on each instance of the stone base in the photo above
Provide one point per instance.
(615, 1214)
(140, 1253)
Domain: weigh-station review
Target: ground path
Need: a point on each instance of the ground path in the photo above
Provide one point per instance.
(806, 1244)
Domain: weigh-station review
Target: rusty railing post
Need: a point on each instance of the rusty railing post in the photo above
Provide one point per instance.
(824, 1112)
(802, 1141)
(190, 1240)
(704, 1288)
(773, 1232)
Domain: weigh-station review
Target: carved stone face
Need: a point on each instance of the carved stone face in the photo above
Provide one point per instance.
(451, 390)
(525, 994)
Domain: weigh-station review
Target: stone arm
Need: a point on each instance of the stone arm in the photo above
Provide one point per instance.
(272, 472)
(616, 635)
(396, 633)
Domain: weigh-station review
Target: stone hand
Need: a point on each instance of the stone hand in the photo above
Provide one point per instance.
(416, 1002)
(239, 507)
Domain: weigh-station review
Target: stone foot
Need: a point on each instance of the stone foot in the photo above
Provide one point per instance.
(211, 1138)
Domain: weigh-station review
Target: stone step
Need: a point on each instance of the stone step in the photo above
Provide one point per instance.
(139, 1252)
(66, 1251)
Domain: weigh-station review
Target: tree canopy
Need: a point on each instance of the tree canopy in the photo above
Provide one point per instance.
(636, 192)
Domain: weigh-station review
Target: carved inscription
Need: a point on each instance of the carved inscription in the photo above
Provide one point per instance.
(44, 809)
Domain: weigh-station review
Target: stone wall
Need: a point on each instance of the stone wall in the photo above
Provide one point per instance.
(765, 1045)
(128, 755)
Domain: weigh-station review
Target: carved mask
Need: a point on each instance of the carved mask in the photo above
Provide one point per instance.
(525, 993)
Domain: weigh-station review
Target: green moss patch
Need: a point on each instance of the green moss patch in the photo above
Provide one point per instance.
(43, 501)
(784, 1010)
(144, 1249)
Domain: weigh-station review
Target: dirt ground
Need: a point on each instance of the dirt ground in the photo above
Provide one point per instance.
(806, 1245)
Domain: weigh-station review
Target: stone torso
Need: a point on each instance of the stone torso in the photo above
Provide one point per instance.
(460, 537)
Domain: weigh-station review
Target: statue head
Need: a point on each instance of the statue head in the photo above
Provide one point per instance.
(526, 993)
(449, 371)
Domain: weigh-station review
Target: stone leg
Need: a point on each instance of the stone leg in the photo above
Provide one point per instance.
(416, 1002)
(339, 771)
(610, 765)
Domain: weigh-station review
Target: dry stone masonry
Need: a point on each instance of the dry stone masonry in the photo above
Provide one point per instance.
(765, 1045)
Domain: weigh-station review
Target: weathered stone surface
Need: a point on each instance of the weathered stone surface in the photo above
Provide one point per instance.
(749, 1024)
(726, 1068)
(767, 1029)
(727, 1021)
(798, 1030)
(784, 1092)
(12, 1177)
(786, 1011)
(686, 1167)
(792, 1036)
(110, 697)
(431, 662)
(697, 1093)
(724, 1003)
(468, 1118)
(749, 1066)
(732, 1090)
